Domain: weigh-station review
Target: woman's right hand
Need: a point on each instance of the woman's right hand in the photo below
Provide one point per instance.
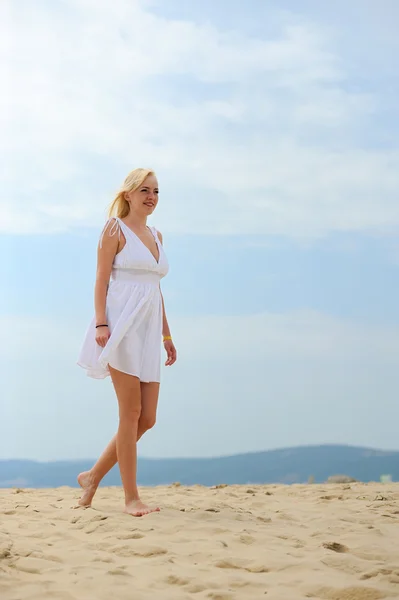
(102, 336)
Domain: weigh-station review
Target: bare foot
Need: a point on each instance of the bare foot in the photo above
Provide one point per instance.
(138, 509)
(89, 487)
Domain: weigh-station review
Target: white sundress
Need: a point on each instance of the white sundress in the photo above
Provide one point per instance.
(133, 310)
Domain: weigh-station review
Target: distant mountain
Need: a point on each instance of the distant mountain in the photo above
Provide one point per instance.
(290, 465)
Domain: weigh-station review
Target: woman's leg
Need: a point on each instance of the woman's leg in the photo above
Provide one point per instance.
(89, 480)
(149, 405)
(127, 390)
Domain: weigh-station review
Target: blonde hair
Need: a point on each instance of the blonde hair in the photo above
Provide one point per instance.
(119, 207)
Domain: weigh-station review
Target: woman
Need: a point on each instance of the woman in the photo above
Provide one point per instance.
(124, 338)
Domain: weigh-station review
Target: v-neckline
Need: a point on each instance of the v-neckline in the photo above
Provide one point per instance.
(141, 241)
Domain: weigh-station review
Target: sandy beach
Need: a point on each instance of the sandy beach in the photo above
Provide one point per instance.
(330, 542)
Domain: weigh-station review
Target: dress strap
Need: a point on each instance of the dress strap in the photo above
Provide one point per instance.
(115, 228)
(155, 233)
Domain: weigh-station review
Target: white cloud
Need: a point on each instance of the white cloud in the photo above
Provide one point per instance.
(248, 135)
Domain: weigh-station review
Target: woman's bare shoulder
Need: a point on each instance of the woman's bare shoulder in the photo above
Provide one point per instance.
(111, 228)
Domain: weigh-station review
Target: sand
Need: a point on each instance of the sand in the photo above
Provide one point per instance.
(332, 542)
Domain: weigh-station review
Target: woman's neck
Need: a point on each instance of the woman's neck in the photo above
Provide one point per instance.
(136, 221)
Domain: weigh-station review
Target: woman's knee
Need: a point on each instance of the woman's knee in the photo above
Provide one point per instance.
(129, 416)
(147, 421)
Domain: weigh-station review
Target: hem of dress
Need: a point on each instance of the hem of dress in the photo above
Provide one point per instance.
(138, 376)
(94, 374)
(105, 373)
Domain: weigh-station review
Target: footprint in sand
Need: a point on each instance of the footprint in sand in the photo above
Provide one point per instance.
(247, 539)
(49, 557)
(118, 571)
(104, 559)
(349, 564)
(349, 593)
(127, 551)
(196, 588)
(5, 550)
(94, 528)
(392, 575)
(251, 568)
(28, 564)
(335, 547)
(174, 580)
(130, 536)
(238, 584)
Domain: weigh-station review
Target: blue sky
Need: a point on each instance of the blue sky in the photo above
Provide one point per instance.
(274, 132)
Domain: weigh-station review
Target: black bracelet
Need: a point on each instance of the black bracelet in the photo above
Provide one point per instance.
(101, 326)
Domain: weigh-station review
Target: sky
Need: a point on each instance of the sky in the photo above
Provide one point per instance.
(273, 129)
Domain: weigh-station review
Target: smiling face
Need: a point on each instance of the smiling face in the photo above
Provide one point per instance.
(144, 199)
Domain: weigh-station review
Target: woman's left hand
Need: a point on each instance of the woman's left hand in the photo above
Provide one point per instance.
(171, 352)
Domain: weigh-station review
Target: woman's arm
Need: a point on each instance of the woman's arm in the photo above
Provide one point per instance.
(165, 324)
(107, 249)
(168, 343)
